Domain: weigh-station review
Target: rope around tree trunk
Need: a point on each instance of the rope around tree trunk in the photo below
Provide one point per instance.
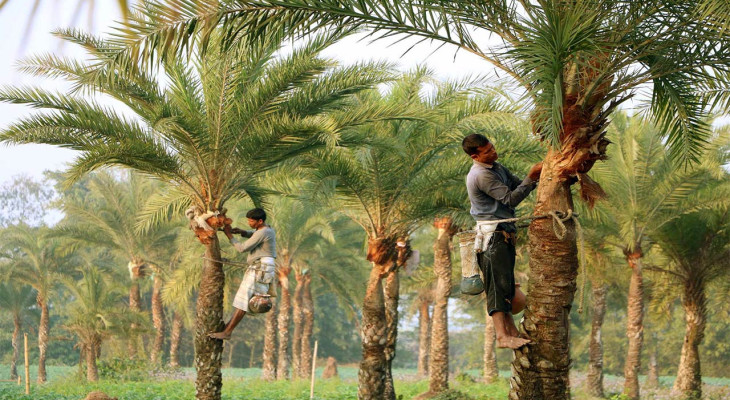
(561, 231)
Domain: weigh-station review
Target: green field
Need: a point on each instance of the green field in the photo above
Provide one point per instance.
(245, 384)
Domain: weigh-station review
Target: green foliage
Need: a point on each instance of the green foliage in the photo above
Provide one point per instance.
(124, 370)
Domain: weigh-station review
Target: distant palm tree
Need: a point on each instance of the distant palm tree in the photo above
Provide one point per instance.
(645, 191)
(577, 62)
(16, 301)
(40, 262)
(218, 122)
(105, 215)
(94, 314)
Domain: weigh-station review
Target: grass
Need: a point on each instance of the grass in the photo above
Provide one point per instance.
(245, 384)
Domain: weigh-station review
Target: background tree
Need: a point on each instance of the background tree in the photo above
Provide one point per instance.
(18, 302)
(228, 109)
(94, 313)
(104, 213)
(40, 262)
(645, 191)
(576, 61)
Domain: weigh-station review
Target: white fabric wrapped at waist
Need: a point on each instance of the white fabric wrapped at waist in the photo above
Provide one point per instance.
(484, 231)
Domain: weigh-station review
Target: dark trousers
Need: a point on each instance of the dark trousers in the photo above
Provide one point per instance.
(498, 268)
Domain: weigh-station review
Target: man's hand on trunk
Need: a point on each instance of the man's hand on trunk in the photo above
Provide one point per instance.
(535, 171)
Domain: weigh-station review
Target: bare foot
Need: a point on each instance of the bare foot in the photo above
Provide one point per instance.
(220, 335)
(511, 342)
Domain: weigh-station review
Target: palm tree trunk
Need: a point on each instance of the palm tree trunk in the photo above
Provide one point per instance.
(17, 326)
(175, 337)
(541, 370)
(43, 330)
(439, 358)
(371, 376)
(296, 349)
(635, 327)
(490, 354)
(209, 318)
(282, 367)
(424, 341)
(158, 321)
(134, 306)
(689, 378)
(92, 374)
(392, 292)
(269, 356)
(305, 366)
(652, 377)
(595, 354)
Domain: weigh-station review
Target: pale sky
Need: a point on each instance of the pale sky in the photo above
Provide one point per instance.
(34, 159)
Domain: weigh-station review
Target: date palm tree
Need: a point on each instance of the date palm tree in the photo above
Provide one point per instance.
(577, 62)
(95, 313)
(645, 191)
(16, 301)
(36, 260)
(215, 125)
(105, 215)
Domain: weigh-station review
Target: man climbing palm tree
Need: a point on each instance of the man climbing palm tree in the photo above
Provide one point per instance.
(494, 193)
(261, 244)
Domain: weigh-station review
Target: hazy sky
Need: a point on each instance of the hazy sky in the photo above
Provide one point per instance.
(34, 159)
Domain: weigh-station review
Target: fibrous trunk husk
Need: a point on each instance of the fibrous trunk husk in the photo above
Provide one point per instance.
(595, 353)
(43, 330)
(371, 376)
(540, 369)
(209, 318)
(424, 335)
(296, 349)
(175, 337)
(158, 320)
(439, 358)
(634, 326)
(689, 377)
(305, 359)
(268, 372)
(391, 292)
(92, 373)
(17, 326)
(490, 354)
(282, 367)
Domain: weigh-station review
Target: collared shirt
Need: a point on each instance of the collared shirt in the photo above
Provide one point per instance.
(494, 192)
(260, 243)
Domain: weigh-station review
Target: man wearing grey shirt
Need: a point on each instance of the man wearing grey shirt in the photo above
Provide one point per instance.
(261, 245)
(494, 192)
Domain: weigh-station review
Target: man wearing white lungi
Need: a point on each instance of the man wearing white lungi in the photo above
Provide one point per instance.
(261, 244)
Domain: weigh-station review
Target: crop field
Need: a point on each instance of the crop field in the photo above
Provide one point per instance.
(245, 383)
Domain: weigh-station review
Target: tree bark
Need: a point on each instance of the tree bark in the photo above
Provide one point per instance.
(305, 366)
(269, 356)
(371, 376)
(175, 336)
(392, 292)
(209, 318)
(43, 330)
(689, 378)
(490, 354)
(439, 358)
(92, 373)
(296, 349)
(424, 337)
(541, 368)
(282, 367)
(652, 377)
(595, 353)
(17, 326)
(635, 327)
(158, 321)
(134, 306)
